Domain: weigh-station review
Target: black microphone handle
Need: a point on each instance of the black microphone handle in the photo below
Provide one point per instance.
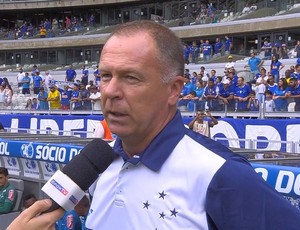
(54, 206)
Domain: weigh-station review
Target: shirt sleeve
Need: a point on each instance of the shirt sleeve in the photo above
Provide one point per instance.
(238, 198)
(9, 201)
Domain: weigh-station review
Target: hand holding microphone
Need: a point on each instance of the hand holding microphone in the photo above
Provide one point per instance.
(67, 188)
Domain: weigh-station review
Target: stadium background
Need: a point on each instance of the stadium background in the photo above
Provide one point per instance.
(273, 19)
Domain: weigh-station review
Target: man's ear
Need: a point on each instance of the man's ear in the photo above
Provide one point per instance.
(176, 88)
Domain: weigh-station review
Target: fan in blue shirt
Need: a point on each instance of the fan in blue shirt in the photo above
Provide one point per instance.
(207, 49)
(254, 63)
(227, 45)
(37, 82)
(26, 84)
(294, 92)
(241, 94)
(218, 47)
(85, 76)
(276, 66)
(70, 74)
(42, 97)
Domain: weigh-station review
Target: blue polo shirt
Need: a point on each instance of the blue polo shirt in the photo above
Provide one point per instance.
(267, 48)
(242, 92)
(272, 88)
(192, 182)
(281, 104)
(97, 74)
(275, 68)
(70, 74)
(199, 92)
(212, 104)
(85, 73)
(218, 47)
(207, 49)
(37, 81)
(44, 105)
(26, 82)
(65, 97)
(186, 52)
(253, 63)
(227, 44)
(295, 91)
(187, 88)
(76, 94)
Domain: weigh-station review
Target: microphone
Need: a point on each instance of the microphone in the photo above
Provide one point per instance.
(67, 188)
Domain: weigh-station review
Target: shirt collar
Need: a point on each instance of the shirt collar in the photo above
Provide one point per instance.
(160, 148)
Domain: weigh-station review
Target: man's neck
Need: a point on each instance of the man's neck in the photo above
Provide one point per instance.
(133, 146)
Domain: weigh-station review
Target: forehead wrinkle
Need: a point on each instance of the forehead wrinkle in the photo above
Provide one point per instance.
(122, 46)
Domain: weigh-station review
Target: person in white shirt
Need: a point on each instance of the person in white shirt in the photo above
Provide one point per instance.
(48, 80)
(230, 63)
(20, 77)
(269, 103)
(95, 98)
(199, 125)
(261, 83)
(2, 97)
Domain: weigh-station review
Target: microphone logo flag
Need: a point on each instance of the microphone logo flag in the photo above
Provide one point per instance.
(59, 187)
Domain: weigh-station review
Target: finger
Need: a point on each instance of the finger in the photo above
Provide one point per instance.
(48, 219)
(37, 208)
(44, 221)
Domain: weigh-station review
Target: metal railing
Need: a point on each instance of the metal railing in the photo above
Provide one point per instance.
(283, 146)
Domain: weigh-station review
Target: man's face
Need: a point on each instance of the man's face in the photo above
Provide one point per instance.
(271, 79)
(293, 84)
(211, 84)
(240, 82)
(3, 180)
(135, 102)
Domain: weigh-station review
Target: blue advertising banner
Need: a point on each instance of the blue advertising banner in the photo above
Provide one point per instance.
(80, 125)
(58, 153)
(284, 179)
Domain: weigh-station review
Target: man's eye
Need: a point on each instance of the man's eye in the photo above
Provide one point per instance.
(106, 77)
(131, 79)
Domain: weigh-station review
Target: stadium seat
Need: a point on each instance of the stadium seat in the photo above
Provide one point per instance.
(6, 219)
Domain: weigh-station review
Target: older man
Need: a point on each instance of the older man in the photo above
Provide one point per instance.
(165, 176)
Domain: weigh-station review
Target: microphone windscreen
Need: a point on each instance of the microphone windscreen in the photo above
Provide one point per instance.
(93, 159)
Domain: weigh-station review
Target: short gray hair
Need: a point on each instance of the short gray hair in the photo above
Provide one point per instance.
(169, 46)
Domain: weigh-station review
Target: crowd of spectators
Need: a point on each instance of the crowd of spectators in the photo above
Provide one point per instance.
(215, 91)
(205, 13)
(267, 89)
(49, 27)
(202, 90)
(45, 93)
(205, 50)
